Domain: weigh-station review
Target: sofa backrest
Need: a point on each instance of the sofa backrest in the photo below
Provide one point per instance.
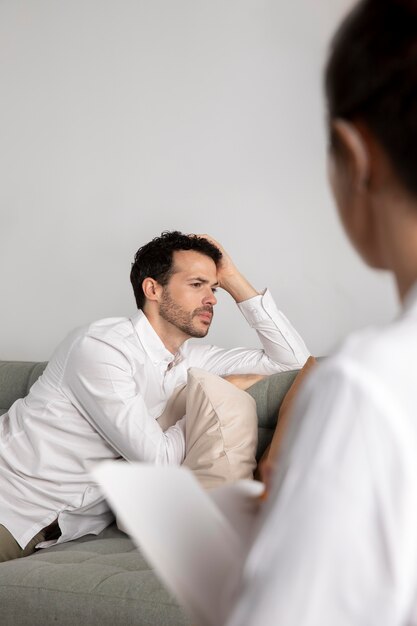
(16, 378)
(269, 394)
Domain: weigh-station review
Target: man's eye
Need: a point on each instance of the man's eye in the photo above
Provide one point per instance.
(195, 284)
(214, 289)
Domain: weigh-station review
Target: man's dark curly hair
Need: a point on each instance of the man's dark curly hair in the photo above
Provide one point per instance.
(154, 259)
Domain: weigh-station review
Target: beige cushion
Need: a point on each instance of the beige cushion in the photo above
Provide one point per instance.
(221, 430)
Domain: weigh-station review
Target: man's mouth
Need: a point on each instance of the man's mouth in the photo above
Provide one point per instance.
(206, 315)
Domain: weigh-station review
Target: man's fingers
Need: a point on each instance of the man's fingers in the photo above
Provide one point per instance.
(213, 241)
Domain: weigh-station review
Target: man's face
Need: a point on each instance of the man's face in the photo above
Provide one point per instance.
(188, 299)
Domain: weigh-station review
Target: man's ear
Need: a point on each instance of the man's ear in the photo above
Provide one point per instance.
(151, 288)
(352, 153)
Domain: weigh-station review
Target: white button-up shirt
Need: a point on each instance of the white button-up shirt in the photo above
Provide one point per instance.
(98, 399)
(337, 543)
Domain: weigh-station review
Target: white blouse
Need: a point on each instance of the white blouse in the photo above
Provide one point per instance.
(337, 542)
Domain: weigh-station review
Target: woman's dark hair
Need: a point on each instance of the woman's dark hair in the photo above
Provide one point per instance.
(154, 259)
(371, 76)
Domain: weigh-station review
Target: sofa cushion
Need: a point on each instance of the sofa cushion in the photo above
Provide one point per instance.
(101, 581)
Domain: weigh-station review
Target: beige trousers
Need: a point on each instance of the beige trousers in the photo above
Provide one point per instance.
(10, 549)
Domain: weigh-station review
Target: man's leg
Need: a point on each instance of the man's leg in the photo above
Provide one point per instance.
(10, 549)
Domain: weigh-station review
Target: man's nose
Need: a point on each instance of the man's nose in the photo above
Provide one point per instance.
(210, 298)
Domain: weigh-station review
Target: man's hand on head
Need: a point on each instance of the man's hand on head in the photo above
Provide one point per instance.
(229, 277)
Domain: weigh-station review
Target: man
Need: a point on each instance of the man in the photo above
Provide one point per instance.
(104, 388)
(337, 542)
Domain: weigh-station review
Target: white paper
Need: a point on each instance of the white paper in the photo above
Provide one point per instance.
(195, 540)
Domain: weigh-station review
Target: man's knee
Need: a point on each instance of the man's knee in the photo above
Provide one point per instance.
(10, 549)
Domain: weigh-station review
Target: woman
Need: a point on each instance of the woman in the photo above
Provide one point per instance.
(337, 543)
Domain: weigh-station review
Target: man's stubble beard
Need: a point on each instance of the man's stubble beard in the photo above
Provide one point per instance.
(173, 313)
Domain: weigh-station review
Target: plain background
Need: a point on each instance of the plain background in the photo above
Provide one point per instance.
(123, 118)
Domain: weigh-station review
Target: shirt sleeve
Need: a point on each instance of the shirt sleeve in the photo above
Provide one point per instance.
(99, 381)
(336, 543)
(282, 347)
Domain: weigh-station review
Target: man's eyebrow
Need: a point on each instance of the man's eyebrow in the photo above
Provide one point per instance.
(202, 280)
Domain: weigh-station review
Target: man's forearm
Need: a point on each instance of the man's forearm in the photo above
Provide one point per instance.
(281, 342)
(244, 381)
(239, 287)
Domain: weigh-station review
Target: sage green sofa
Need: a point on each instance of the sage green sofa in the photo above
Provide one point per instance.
(99, 580)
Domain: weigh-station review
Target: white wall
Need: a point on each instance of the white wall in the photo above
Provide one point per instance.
(122, 118)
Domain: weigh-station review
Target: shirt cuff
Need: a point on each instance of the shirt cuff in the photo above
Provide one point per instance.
(258, 308)
(175, 442)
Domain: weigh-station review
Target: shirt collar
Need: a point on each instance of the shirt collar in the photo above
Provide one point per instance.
(150, 340)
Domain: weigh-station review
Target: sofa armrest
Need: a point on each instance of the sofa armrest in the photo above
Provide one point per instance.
(269, 394)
